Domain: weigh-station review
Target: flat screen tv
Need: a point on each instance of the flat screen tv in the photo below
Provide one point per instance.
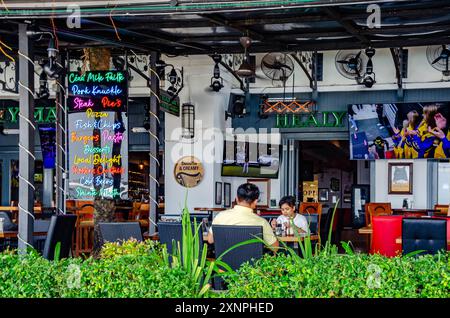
(399, 131)
(250, 159)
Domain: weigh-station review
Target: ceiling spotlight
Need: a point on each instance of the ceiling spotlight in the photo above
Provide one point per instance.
(239, 106)
(216, 84)
(43, 85)
(52, 51)
(43, 93)
(119, 63)
(52, 68)
(368, 81)
(173, 77)
(172, 91)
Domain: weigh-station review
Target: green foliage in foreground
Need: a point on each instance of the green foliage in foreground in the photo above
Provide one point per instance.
(141, 270)
(358, 275)
(131, 270)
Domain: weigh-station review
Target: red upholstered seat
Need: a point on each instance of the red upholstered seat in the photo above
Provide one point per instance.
(386, 229)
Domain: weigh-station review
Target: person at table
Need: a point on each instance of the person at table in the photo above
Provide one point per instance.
(243, 214)
(289, 216)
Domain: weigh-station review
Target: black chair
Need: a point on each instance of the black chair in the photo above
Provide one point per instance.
(39, 240)
(429, 235)
(226, 236)
(313, 221)
(170, 232)
(60, 231)
(120, 231)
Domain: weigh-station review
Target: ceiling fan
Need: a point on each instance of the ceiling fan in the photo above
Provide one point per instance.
(277, 66)
(349, 65)
(438, 56)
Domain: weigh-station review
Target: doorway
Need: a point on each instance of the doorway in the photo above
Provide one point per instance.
(326, 174)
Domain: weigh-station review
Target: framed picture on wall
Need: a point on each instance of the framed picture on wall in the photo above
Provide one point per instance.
(400, 178)
(227, 195)
(323, 195)
(264, 191)
(218, 195)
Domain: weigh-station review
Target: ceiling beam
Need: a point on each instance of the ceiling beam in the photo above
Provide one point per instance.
(352, 30)
(219, 20)
(148, 35)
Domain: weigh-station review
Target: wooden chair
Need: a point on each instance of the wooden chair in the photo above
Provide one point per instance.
(312, 211)
(84, 233)
(375, 209)
(134, 214)
(444, 210)
(143, 215)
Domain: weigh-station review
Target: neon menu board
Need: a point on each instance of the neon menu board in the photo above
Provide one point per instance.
(99, 91)
(97, 137)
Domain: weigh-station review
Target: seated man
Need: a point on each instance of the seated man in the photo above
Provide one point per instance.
(242, 214)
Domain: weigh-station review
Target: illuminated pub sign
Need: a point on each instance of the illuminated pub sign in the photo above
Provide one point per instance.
(98, 137)
(44, 111)
(313, 119)
(98, 91)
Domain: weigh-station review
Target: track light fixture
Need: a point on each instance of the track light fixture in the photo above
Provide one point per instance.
(216, 80)
(173, 76)
(368, 79)
(52, 68)
(44, 92)
(239, 106)
(216, 84)
(119, 63)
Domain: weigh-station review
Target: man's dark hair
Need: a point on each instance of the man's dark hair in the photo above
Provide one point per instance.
(289, 200)
(247, 192)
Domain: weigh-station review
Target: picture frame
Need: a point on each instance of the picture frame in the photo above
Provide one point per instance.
(264, 189)
(323, 195)
(218, 193)
(227, 195)
(400, 178)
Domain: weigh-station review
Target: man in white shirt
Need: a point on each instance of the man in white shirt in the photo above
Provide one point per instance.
(242, 214)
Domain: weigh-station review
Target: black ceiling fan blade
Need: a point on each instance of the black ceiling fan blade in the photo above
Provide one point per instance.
(343, 62)
(283, 65)
(271, 66)
(358, 55)
(436, 60)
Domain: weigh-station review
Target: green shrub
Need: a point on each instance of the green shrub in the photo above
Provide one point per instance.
(131, 270)
(342, 276)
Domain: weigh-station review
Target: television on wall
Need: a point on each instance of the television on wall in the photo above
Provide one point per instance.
(250, 159)
(399, 131)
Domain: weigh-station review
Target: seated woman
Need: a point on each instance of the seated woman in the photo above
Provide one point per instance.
(287, 205)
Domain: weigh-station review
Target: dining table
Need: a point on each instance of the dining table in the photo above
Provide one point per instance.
(285, 239)
(13, 234)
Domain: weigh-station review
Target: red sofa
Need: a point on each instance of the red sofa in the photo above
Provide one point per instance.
(386, 229)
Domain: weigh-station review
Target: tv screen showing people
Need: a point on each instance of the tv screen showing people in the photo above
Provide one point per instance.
(399, 131)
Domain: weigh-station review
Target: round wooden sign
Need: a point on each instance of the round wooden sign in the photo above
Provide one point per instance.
(189, 171)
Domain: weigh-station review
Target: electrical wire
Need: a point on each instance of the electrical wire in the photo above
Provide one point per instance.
(4, 52)
(113, 24)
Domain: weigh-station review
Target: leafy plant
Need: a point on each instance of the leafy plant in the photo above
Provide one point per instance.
(330, 276)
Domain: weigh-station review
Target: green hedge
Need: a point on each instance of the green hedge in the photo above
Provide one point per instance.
(364, 276)
(141, 270)
(128, 271)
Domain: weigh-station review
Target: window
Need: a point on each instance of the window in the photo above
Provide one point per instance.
(444, 183)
